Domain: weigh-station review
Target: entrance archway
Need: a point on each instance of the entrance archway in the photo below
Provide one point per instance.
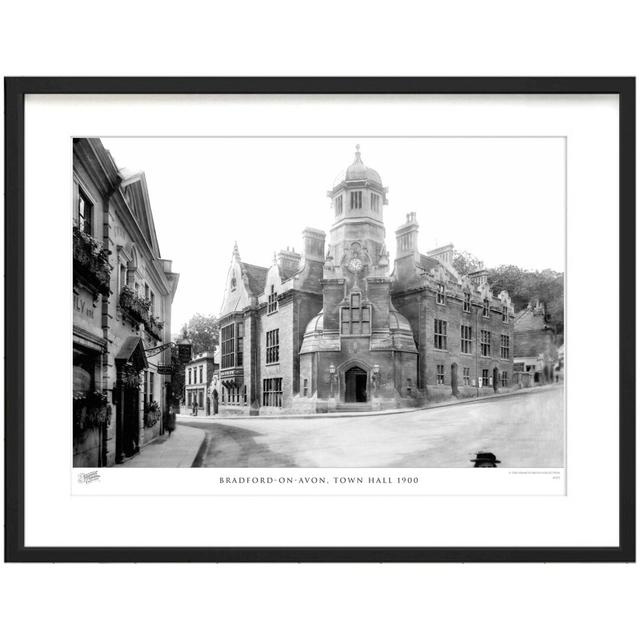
(355, 385)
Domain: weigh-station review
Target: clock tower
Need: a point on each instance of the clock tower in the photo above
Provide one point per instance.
(358, 351)
(356, 241)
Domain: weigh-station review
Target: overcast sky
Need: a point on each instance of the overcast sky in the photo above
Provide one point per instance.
(501, 199)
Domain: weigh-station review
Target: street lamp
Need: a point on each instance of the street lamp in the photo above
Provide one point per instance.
(332, 377)
(375, 377)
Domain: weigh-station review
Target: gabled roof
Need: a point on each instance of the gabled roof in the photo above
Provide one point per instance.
(256, 277)
(135, 184)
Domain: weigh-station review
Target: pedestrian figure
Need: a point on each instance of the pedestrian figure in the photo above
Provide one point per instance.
(195, 408)
(215, 401)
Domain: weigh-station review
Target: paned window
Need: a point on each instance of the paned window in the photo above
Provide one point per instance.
(84, 213)
(440, 334)
(485, 343)
(504, 347)
(227, 346)
(465, 338)
(355, 320)
(272, 392)
(273, 346)
(272, 306)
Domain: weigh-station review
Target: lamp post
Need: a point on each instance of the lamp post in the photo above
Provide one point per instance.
(375, 377)
(332, 378)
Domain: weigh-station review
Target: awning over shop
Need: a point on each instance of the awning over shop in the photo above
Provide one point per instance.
(132, 352)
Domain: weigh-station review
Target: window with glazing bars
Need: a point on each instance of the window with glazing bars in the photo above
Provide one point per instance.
(375, 202)
(355, 320)
(505, 314)
(466, 303)
(84, 214)
(240, 344)
(465, 338)
(440, 334)
(356, 199)
(485, 308)
(504, 347)
(439, 374)
(504, 379)
(273, 346)
(466, 376)
(272, 305)
(227, 347)
(485, 377)
(485, 343)
(272, 392)
(440, 294)
(338, 205)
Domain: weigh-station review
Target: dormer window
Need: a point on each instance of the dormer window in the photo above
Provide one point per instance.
(440, 294)
(338, 205)
(356, 199)
(485, 308)
(375, 202)
(466, 303)
(272, 305)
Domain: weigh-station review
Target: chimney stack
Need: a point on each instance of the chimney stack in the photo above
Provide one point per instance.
(313, 240)
(407, 237)
(443, 254)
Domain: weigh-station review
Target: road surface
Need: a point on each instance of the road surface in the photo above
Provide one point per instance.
(525, 430)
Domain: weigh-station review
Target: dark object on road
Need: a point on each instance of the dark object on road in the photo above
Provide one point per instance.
(485, 459)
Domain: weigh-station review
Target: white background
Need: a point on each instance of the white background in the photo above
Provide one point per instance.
(490, 38)
(54, 517)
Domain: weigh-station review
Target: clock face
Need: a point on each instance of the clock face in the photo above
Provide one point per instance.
(355, 264)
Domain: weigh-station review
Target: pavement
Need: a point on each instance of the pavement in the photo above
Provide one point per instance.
(521, 429)
(170, 451)
(186, 417)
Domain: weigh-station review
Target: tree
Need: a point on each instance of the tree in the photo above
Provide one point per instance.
(203, 332)
(524, 287)
(465, 263)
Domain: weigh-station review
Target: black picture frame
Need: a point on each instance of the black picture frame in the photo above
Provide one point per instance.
(15, 91)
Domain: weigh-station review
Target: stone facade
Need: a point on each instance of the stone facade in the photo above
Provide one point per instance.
(122, 292)
(198, 375)
(340, 328)
(536, 351)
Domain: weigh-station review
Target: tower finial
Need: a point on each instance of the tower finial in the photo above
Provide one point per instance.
(236, 251)
(358, 158)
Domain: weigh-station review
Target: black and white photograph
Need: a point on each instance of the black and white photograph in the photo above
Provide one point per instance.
(319, 302)
(307, 327)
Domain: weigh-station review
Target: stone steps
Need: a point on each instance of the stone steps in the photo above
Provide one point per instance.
(353, 407)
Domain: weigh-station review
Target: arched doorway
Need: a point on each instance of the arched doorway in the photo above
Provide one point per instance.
(355, 385)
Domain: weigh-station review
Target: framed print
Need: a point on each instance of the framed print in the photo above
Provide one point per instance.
(320, 319)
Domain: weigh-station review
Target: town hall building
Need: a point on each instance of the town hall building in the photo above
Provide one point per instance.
(338, 327)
